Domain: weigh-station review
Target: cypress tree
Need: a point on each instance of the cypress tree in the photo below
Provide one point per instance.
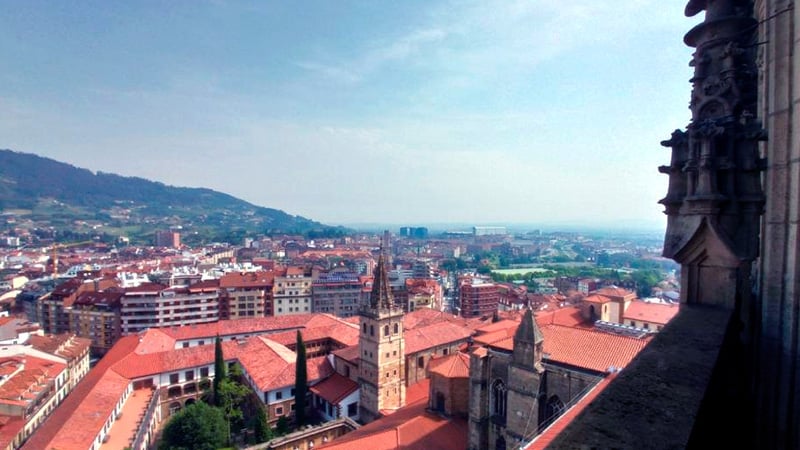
(300, 382)
(219, 369)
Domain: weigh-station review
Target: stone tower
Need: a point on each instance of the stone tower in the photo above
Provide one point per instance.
(525, 372)
(381, 345)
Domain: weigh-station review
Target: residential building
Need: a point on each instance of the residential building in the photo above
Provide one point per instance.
(97, 316)
(337, 293)
(154, 305)
(478, 296)
(292, 291)
(246, 295)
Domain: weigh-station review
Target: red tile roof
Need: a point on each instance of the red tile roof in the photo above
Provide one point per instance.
(434, 335)
(256, 325)
(569, 316)
(349, 354)
(411, 427)
(585, 348)
(658, 313)
(259, 279)
(455, 365)
(86, 401)
(335, 388)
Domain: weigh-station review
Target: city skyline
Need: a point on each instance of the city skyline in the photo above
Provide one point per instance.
(418, 112)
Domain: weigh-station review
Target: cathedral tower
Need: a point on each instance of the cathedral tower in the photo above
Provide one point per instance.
(381, 349)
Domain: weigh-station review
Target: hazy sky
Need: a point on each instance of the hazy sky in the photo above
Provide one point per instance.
(397, 112)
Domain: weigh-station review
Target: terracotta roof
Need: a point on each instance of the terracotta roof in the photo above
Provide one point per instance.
(256, 325)
(597, 298)
(614, 291)
(85, 402)
(247, 279)
(335, 388)
(412, 427)
(569, 316)
(349, 354)
(659, 313)
(588, 349)
(422, 338)
(455, 365)
(65, 345)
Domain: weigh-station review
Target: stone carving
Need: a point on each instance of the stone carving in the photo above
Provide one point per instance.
(714, 198)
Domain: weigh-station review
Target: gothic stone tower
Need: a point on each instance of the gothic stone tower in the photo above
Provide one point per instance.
(714, 200)
(505, 390)
(525, 373)
(381, 348)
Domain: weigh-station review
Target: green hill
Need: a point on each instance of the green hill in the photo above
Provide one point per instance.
(71, 200)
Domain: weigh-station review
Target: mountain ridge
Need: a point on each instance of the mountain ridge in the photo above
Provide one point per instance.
(46, 190)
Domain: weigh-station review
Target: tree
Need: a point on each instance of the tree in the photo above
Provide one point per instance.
(197, 427)
(262, 432)
(282, 427)
(300, 382)
(230, 398)
(219, 368)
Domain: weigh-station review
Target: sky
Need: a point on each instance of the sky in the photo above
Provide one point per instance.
(345, 112)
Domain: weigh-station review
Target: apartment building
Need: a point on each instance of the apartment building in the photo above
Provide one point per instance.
(97, 316)
(152, 305)
(291, 291)
(337, 293)
(246, 295)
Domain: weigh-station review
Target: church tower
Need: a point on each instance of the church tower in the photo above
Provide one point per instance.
(382, 371)
(525, 373)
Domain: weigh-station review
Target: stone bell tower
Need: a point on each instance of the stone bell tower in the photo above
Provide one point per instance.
(714, 201)
(382, 371)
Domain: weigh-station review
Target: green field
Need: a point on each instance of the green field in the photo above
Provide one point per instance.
(519, 271)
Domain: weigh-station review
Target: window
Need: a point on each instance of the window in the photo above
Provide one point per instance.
(421, 362)
(396, 328)
(499, 398)
(173, 378)
(279, 411)
(292, 392)
(185, 345)
(278, 395)
(646, 326)
(365, 328)
(203, 372)
(633, 324)
(444, 351)
(372, 330)
(189, 375)
(386, 330)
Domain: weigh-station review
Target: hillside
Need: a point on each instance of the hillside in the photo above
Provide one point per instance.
(54, 194)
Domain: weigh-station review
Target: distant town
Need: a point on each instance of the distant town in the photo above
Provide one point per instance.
(148, 316)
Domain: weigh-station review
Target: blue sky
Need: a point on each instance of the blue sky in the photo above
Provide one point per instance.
(395, 112)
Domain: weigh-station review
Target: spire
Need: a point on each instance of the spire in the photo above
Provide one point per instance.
(528, 331)
(381, 295)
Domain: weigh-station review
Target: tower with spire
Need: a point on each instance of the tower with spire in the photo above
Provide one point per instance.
(381, 345)
(525, 373)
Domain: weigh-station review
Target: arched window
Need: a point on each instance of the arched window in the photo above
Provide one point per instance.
(499, 398)
(386, 330)
(554, 407)
(365, 328)
(372, 330)
(396, 328)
